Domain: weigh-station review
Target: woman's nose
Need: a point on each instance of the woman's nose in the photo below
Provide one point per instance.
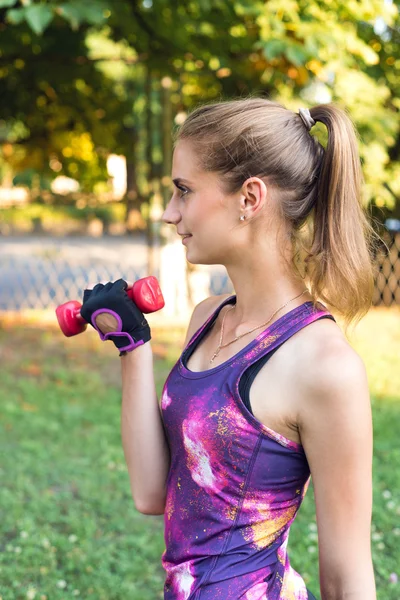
(171, 215)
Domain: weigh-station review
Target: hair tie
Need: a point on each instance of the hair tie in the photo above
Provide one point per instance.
(306, 118)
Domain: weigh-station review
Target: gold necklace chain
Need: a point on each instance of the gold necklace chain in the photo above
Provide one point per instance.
(220, 345)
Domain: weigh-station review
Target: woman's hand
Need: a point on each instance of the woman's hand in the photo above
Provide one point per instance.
(115, 316)
(106, 323)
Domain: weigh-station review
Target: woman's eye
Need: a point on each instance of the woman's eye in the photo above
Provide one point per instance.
(183, 191)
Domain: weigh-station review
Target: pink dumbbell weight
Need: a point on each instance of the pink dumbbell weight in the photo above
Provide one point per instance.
(146, 294)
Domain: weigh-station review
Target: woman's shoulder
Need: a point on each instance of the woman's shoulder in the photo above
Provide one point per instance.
(201, 312)
(326, 354)
(329, 372)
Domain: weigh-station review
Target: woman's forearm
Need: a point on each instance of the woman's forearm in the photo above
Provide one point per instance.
(360, 585)
(143, 438)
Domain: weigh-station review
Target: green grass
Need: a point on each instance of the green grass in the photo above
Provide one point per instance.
(69, 528)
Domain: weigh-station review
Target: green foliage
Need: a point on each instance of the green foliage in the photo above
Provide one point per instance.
(56, 106)
(39, 16)
(7, 3)
(93, 12)
(298, 52)
(26, 218)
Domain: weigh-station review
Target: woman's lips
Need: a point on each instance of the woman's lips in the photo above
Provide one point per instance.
(185, 238)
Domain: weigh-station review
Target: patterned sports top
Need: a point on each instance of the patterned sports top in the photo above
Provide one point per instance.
(234, 485)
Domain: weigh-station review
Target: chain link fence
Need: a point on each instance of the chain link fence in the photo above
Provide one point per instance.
(40, 273)
(387, 280)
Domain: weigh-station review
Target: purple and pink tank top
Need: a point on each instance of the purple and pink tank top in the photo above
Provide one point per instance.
(234, 485)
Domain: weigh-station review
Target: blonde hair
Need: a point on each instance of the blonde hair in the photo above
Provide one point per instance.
(319, 188)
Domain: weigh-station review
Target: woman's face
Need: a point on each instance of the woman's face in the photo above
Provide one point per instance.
(200, 208)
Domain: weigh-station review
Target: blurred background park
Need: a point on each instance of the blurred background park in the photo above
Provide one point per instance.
(90, 95)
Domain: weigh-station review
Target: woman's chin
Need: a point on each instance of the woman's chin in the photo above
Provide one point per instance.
(200, 260)
(197, 258)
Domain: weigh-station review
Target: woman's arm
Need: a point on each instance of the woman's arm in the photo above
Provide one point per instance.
(336, 433)
(143, 437)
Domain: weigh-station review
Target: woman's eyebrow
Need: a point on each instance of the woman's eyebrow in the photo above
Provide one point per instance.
(178, 180)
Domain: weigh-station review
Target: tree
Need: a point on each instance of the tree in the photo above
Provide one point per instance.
(298, 52)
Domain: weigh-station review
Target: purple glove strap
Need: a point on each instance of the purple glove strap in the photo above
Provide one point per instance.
(105, 336)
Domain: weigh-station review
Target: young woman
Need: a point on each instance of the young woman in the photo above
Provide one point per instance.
(267, 390)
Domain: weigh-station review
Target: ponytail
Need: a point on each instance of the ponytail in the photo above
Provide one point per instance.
(339, 262)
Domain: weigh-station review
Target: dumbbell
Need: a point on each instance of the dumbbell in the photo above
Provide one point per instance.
(145, 293)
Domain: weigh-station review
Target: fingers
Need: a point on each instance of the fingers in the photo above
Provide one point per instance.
(120, 284)
(90, 286)
(86, 295)
(123, 284)
(127, 285)
(97, 289)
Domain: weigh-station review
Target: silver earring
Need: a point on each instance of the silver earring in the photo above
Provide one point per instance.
(242, 218)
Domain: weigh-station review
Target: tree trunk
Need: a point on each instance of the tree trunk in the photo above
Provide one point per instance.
(166, 116)
(150, 171)
(133, 216)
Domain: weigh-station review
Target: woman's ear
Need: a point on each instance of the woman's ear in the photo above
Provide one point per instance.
(254, 194)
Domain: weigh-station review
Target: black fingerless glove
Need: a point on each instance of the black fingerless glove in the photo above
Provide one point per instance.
(132, 331)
